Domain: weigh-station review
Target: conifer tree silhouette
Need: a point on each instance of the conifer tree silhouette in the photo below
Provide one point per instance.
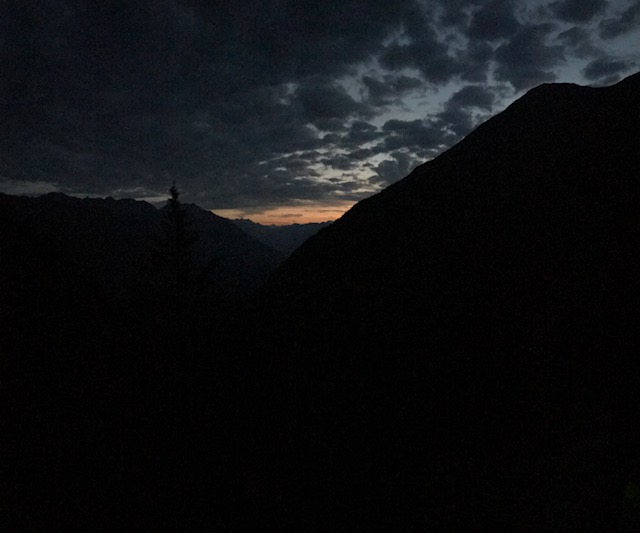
(174, 283)
(179, 240)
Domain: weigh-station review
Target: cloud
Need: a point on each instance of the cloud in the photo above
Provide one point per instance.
(287, 215)
(428, 55)
(457, 119)
(390, 89)
(340, 162)
(605, 67)
(361, 154)
(578, 11)
(495, 20)
(626, 22)
(325, 100)
(475, 61)
(472, 96)
(391, 170)
(454, 14)
(579, 41)
(527, 60)
(412, 134)
(421, 49)
(261, 103)
(362, 132)
(456, 122)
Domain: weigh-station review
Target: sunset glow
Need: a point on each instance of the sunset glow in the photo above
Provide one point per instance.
(289, 214)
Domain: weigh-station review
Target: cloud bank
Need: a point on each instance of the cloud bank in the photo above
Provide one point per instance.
(255, 104)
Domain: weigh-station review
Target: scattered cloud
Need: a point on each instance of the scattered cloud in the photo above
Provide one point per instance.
(580, 42)
(578, 11)
(605, 67)
(390, 89)
(526, 59)
(255, 105)
(472, 96)
(625, 22)
(495, 20)
(397, 167)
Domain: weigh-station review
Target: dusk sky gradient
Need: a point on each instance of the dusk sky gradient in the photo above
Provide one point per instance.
(281, 111)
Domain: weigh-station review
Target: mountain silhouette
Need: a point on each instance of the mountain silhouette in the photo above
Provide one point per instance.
(95, 274)
(108, 241)
(285, 239)
(113, 393)
(459, 351)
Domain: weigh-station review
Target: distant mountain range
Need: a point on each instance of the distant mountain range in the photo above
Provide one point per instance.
(110, 241)
(460, 351)
(285, 239)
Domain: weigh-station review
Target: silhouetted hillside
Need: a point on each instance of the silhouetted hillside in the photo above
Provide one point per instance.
(116, 410)
(109, 241)
(459, 352)
(245, 261)
(285, 239)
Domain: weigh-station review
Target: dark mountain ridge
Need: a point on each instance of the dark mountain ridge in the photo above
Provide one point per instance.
(114, 382)
(285, 239)
(111, 240)
(488, 195)
(460, 350)
(99, 274)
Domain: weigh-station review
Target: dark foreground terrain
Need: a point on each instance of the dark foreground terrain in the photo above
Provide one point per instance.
(457, 353)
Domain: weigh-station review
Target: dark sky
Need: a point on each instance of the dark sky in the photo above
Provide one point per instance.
(276, 107)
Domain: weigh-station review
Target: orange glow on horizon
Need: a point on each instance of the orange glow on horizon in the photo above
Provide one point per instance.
(289, 214)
